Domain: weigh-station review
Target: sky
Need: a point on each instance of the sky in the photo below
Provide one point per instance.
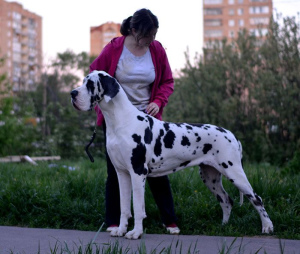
(66, 23)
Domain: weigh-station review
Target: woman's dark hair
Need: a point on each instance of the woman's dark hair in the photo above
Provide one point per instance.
(143, 21)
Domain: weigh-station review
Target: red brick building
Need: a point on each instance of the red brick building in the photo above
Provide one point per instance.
(20, 45)
(101, 35)
(225, 18)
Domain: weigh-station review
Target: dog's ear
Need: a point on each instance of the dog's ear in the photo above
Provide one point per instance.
(110, 86)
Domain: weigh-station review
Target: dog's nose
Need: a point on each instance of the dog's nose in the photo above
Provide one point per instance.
(74, 93)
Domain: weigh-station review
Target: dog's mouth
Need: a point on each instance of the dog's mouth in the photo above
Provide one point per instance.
(74, 105)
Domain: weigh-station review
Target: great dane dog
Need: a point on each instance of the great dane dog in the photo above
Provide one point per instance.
(140, 145)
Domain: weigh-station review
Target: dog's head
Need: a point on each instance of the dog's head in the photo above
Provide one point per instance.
(96, 86)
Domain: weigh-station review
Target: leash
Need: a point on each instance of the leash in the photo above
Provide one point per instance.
(91, 141)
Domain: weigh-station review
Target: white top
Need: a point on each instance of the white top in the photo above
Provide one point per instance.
(136, 74)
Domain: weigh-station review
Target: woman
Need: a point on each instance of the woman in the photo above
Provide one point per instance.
(141, 66)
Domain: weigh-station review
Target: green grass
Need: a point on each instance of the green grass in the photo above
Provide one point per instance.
(56, 197)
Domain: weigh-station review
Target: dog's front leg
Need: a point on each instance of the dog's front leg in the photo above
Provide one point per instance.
(125, 202)
(138, 192)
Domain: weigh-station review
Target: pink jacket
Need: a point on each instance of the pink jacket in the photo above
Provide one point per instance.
(163, 84)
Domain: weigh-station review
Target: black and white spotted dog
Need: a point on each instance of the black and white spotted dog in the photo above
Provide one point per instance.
(140, 145)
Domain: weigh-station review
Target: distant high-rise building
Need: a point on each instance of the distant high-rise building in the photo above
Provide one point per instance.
(225, 18)
(101, 35)
(20, 45)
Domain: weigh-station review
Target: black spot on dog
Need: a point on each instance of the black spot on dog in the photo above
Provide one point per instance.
(158, 144)
(90, 86)
(224, 165)
(153, 161)
(221, 129)
(150, 121)
(138, 157)
(148, 136)
(200, 125)
(231, 180)
(110, 85)
(214, 181)
(136, 138)
(169, 139)
(198, 139)
(230, 163)
(257, 201)
(206, 127)
(140, 118)
(185, 141)
(166, 126)
(188, 127)
(98, 85)
(228, 139)
(219, 199)
(194, 152)
(184, 164)
(249, 196)
(206, 148)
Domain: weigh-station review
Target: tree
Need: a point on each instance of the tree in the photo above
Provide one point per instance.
(251, 90)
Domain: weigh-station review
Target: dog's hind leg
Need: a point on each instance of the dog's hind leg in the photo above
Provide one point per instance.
(238, 177)
(213, 180)
(125, 202)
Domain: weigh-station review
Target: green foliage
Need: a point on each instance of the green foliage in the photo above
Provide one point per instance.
(70, 195)
(60, 129)
(253, 91)
(293, 166)
(16, 135)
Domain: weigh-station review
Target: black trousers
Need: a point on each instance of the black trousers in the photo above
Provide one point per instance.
(159, 186)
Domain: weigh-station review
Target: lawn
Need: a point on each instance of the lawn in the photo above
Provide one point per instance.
(70, 195)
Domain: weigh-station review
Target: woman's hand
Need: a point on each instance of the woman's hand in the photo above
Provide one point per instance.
(152, 109)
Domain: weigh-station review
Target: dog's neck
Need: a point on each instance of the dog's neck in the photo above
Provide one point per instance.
(112, 113)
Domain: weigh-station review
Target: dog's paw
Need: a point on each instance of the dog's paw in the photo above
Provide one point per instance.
(134, 234)
(118, 231)
(268, 228)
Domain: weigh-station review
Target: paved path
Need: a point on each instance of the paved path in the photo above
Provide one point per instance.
(35, 240)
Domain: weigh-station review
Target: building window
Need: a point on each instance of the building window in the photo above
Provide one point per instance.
(231, 22)
(258, 9)
(259, 21)
(259, 32)
(212, 22)
(17, 16)
(240, 11)
(230, 1)
(213, 1)
(231, 12)
(259, 1)
(212, 11)
(213, 33)
(240, 1)
(241, 22)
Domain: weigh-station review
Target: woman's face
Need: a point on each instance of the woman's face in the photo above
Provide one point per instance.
(146, 41)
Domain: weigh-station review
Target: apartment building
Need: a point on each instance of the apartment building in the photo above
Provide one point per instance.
(20, 45)
(225, 18)
(101, 35)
